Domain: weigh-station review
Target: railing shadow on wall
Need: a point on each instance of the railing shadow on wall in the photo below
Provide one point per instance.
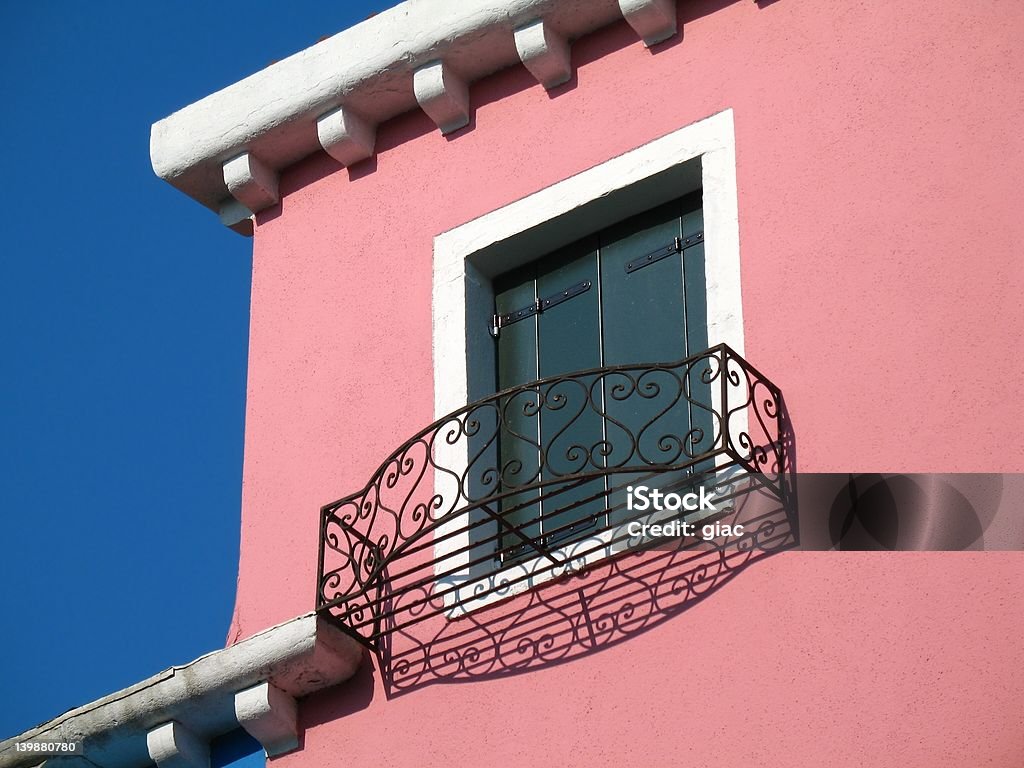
(503, 537)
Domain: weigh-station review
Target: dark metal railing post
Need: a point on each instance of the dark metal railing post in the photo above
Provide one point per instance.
(724, 374)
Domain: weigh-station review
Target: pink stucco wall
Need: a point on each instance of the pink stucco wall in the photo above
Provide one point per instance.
(878, 168)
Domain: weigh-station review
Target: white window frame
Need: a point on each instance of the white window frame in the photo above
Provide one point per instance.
(466, 259)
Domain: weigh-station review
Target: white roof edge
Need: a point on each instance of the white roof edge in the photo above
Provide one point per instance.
(298, 657)
(368, 69)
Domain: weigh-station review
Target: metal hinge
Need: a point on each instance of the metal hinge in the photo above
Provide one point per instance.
(678, 245)
(539, 305)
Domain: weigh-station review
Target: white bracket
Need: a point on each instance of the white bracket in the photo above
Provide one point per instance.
(544, 52)
(653, 20)
(236, 216)
(346, 136)
(270, 716)
(172, 745)
(443, 95)
(250, 182)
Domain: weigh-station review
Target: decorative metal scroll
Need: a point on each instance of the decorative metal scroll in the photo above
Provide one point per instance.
(608, 602)
(524, 492)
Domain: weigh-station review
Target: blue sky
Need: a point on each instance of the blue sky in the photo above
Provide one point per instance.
(124, 328)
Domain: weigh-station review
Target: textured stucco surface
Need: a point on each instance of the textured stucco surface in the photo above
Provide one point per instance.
(808, 659)
(878, 168)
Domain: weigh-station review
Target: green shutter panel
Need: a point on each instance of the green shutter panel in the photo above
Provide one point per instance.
(634, 293)
(518, 440)
(570, 340)
(643, 317)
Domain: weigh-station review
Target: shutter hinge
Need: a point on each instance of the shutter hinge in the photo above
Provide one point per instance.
(539, 305)
(678, 245)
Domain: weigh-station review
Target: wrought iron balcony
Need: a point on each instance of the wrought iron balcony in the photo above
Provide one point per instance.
(529, 486)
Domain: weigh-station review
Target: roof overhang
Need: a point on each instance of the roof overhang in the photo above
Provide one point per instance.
(226, 150)
(171, 717)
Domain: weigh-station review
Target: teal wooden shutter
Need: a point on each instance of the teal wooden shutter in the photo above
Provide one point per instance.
(519, 438)
(633, 310)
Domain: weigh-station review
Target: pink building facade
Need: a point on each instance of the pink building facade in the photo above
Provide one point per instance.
(856, 169)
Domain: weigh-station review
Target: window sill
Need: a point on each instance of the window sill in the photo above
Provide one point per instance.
(464, 596)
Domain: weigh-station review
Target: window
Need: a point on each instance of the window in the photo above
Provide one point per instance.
(631, 293)
(476, 261)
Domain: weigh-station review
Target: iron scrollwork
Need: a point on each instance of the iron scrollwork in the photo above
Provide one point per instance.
(448, 523)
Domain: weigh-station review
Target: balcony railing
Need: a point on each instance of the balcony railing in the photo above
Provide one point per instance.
(530, 485)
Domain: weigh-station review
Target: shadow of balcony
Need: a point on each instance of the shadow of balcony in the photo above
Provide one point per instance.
(584, 611)
(477, 550)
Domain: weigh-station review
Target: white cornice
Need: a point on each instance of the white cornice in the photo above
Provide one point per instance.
(170, 718)
(225, 150)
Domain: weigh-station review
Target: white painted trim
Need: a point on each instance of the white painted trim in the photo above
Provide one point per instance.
(462, 596)
(443, 95)
(172, 745)
(346, 136)
(544, 52)
(236, 216)
(270, 716)
(250, 181)
(298, 657)
(653, 20)
(369, 68)
(465, 258)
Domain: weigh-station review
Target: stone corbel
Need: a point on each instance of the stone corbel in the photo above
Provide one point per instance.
(544, 52)
(172, 745)
(236, 216)
(270, 716)
(251, 182)
(653, 20)
(443, 95)
(346, 136)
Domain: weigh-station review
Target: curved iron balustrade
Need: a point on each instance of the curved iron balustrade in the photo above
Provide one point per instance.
(449, 522)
